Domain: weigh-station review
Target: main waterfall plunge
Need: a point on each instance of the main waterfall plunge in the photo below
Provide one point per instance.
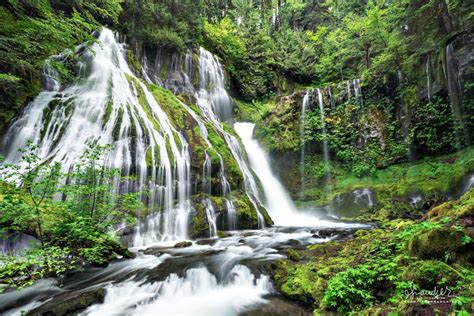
(109, 104)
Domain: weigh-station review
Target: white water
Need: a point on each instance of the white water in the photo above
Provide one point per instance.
(63, 123)
(364, 196)
(187, 295)
(217, 100)
(358, 92)
(278, 202)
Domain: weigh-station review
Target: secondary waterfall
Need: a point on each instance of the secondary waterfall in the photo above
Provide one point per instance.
(327, 160)
(304, 108)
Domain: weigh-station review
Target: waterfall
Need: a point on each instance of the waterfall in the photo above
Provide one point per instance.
(348, 87)
(109, 105)
(304, 107)
(215, 104)
(212, 87)
(327, 161)
(278, 203)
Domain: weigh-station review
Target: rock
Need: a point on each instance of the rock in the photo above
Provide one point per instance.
(430, 274)
(438, 243)
(183, 244)
(156, 251)
(70, 303)
(278, 307)
(207, 242)
(293, 242)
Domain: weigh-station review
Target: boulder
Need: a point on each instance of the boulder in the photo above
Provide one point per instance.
(439, 243)
(70, 303)
(183, 244)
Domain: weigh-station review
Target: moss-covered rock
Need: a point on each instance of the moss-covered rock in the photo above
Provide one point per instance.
(430, 274)
(70, 303)
(439, 243)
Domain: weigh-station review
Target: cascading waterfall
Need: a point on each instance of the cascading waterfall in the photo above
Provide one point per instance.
(212, 85)
(217, 100)
(104, 107)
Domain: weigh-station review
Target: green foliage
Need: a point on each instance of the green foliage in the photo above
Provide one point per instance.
(375, 269)
(32, 31)
(35, 264)
(169, 24)
(82, 222)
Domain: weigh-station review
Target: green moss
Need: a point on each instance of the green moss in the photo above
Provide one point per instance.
(293, 255)
(118, 125)
(108, 111)
(439, 243)
(199, 224)
(133, 62)
(464, 207)
(233, 172)
(430, 274)
(431, 177)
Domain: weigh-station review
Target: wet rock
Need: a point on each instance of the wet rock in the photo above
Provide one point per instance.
(293, 242)
(156, 251)
(207, 242)
(70, 303)
(278, 307)
(183, 244)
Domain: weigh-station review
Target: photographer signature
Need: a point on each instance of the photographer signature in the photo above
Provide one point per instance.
(435, 293)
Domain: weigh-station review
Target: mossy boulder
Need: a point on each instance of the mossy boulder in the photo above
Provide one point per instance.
(430, 274)
(439, 243)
